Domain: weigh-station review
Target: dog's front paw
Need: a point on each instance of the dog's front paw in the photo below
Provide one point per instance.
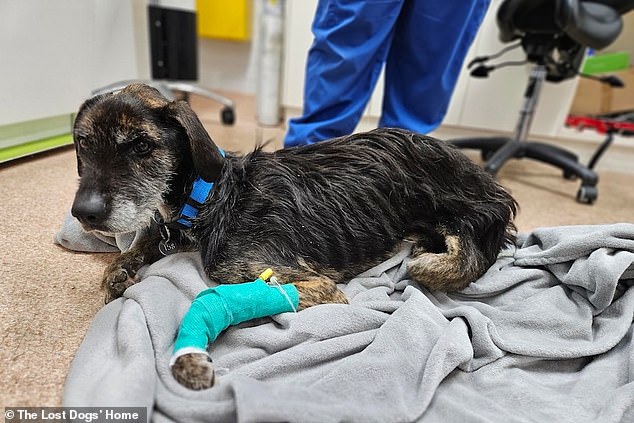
(115, 282)
(194, 371)
(119, 276)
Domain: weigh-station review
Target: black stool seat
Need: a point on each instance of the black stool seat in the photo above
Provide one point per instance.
(593, 23)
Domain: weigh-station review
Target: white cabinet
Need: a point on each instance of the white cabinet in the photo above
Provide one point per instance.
(491, 104)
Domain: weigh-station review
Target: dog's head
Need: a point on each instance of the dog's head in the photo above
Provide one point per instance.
(136, 151)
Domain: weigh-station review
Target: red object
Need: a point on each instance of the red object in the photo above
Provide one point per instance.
(602, 124)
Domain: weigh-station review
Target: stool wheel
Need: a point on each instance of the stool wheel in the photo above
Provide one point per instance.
(587, 194)
(227, 116)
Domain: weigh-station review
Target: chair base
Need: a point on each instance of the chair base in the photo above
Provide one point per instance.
(496, 151)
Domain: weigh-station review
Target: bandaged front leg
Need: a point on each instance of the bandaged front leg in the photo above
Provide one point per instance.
(213, 311)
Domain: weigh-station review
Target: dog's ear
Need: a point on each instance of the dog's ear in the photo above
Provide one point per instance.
(79, 164)
(206, 157)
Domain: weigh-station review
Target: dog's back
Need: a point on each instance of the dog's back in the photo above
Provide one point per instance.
(345, 204)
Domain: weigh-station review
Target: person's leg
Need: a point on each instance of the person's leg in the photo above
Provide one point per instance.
(428, 48)
(344, 61)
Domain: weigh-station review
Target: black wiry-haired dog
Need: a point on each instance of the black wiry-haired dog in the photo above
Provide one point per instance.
(317, 215)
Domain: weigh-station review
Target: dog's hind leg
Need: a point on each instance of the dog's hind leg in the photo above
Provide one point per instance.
(315, 289)
(454, 269)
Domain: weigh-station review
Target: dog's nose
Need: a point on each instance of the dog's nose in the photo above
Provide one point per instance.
(90, 209)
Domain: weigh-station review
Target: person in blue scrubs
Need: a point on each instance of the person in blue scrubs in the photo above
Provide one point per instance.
(422, 43)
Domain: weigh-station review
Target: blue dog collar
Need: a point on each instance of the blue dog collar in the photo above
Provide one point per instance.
(197, 197)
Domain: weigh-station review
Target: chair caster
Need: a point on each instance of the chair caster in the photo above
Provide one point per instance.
(227, 116)
(587, 194)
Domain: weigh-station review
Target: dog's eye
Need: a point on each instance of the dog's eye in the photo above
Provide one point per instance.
(81, 141)
(141, 147)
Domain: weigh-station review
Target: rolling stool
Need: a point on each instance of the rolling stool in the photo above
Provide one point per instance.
(554, 35)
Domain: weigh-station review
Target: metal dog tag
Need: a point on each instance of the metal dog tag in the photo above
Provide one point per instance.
(167, 247)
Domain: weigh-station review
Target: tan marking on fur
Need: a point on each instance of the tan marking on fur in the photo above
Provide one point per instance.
(131, 124)
(150, 130)
(313, 288)
(450, 271)
(316, 290)
(453, 245)
(150, 96)
(127, 122)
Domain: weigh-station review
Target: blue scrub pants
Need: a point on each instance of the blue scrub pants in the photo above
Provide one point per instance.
(422, 43)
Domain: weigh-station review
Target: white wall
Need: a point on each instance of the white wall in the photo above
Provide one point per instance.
(54, 53)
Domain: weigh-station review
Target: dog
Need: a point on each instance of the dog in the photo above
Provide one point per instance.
(317, 214)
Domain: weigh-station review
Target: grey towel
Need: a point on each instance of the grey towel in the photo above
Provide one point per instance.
(71, 236)
(545, 335)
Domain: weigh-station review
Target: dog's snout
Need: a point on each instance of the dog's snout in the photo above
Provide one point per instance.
(90, 209)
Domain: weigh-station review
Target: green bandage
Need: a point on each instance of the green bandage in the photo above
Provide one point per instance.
(215, 309)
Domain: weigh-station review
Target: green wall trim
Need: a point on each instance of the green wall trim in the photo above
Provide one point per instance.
(605, 63)
(16, 151)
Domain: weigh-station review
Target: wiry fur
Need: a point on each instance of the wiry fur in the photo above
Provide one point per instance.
(346, 203)
(317, 214)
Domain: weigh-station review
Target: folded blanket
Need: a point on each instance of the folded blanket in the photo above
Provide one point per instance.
(73, 237)
(545, 335)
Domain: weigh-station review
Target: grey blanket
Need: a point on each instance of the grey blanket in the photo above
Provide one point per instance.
(545, 335)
